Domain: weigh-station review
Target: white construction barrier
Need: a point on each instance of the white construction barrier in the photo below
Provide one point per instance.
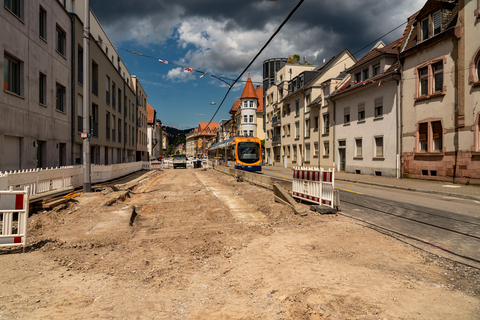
(45, 180)
(14, 210)
(207, 164)
(158, 165)
(313, 185)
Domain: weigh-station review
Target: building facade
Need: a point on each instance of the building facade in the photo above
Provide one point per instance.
(111, 110)
(440, 95)
(273, 101)
(35, 103)
(141, 130)
(367, 115)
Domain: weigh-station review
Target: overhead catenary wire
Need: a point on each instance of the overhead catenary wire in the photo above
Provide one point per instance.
(253, 60)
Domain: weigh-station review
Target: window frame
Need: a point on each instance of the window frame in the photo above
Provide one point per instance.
(422, 28)
(430, 141)
(15, 85)
(474, 68)
(17, 12)
(378, 108)
(375, 145)
(42, 89)
(361, 112)
(61, 41)
(326, 123)
(431, 93)
(346, 116)
(61, 102)
(42, 23)
(326, 148)
(355, 148)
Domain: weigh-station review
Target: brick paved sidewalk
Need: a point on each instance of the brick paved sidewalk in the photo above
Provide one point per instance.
(428, 186)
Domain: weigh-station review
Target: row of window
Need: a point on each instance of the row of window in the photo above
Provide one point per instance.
(248, 119)
(291, 151)
(365, 73)
(378, 111)
(378, 151)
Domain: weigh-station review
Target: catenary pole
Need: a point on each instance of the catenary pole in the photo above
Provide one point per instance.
(86, 98)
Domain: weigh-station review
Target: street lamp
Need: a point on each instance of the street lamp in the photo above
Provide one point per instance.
(213, 102)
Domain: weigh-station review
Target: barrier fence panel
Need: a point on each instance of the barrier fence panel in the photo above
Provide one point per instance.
(14, 211)
(328, 188)
(314, 185)
(307, 184)
(207, 164)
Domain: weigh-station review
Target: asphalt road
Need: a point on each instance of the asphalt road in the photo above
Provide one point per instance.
(446, 226)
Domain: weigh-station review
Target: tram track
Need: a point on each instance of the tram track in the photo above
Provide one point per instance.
(450, 232)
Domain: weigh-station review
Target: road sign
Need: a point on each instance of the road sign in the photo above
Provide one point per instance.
(85, 135)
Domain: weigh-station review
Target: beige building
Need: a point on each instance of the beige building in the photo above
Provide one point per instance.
(440, 81)
(190, 143)
(141, 132)
(302, 103)
(36, 100)
(366, 112)
(273, 104)
(112, 110)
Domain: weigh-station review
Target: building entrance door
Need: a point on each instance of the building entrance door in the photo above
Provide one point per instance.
(342, 155)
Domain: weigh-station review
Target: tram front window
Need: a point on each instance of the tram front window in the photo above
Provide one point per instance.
(248, 152)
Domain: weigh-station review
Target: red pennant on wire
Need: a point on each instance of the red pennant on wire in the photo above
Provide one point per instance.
(163, 61)
(188, 70)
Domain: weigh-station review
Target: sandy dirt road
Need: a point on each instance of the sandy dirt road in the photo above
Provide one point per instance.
(203, 246)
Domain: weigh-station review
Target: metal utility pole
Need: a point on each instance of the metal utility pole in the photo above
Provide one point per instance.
(86, 99)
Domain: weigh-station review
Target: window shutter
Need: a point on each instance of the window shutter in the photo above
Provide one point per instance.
(437, 22)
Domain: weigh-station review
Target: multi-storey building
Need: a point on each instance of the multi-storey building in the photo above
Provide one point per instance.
(154, 134)
(441, 92)
(297, 129)
(273, 100)
(112, 98)
(203, 136)
(141, 131)
(249, 112)
(35, 103)
(367, 113)
(190, 143)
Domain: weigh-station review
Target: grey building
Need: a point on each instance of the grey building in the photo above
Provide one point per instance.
(35, 103)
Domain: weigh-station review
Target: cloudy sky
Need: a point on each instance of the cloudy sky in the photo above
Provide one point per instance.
(222, 37)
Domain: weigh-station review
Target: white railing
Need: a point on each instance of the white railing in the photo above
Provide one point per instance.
(45, 180)
(314, 185)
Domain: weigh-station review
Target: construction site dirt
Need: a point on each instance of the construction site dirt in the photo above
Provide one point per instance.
(194, 244)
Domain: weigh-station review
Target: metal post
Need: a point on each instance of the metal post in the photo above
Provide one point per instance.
(86, 98)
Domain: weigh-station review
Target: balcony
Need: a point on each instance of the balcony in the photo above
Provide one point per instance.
(276, 140)
(276, 121)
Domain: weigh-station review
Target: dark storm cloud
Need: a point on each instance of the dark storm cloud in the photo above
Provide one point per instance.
(323, 27)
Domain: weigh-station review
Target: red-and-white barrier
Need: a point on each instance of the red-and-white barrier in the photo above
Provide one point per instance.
(14, 210)
(158, 165)
(314, 185)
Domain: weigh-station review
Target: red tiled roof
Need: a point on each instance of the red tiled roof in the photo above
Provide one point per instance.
(391, 48)
(151, 113)
(259, 93)
(235, 107)
(202, 126)
(249, 90)
(348, 84)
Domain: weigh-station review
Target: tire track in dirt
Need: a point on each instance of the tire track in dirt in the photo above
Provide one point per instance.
(239, 207)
